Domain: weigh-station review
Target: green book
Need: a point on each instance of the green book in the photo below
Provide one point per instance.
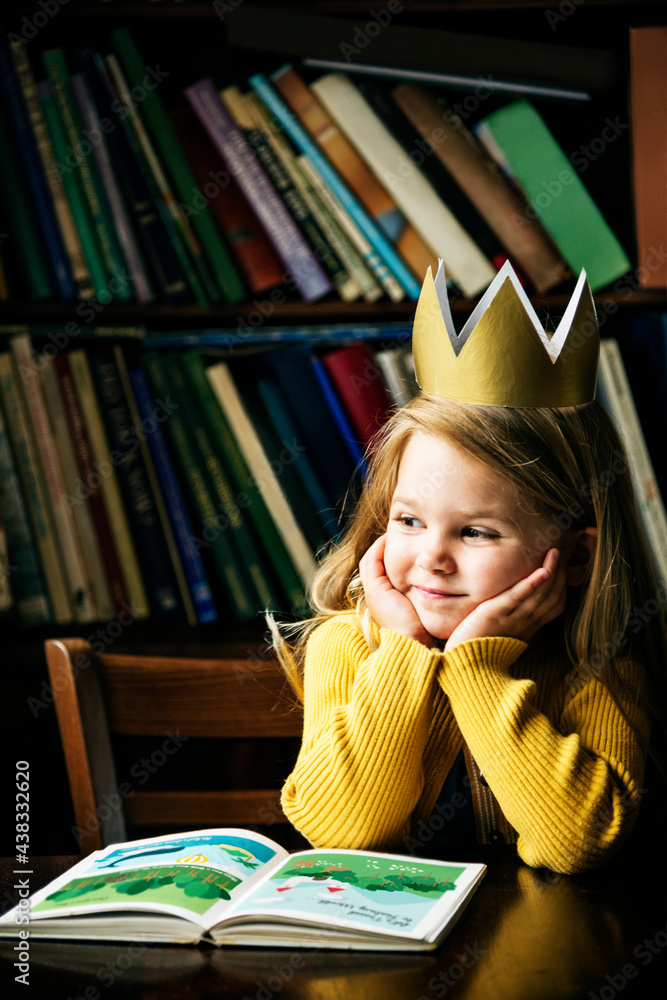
(226, 278)
(73, 193)
(225, 496)
(117, 283)
(517, 137)
(211, 520)
(242, 479)
(25, 241)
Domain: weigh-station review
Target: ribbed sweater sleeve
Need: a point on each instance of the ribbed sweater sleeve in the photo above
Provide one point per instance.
(359, 773)
(570, 787)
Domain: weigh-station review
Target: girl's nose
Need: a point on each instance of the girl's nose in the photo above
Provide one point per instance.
(436, 557)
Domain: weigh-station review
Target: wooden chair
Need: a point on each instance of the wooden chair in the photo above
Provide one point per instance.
(235, 699)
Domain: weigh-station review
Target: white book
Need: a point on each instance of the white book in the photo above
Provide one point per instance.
(415, 196)
(80, 592)
(266, 479)
(401, 383)
(615, 395)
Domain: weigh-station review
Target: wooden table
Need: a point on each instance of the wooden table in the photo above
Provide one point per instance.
(526, 935)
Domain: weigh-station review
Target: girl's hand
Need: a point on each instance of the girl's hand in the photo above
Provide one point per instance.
(521, 610)
(389, 608)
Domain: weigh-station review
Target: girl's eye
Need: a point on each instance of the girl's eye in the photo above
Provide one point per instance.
(478, 533)
(410, 522)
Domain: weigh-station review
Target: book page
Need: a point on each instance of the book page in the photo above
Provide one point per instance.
(192, 875)
(370, 893)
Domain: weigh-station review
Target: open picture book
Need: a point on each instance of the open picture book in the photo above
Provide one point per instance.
(237, 887)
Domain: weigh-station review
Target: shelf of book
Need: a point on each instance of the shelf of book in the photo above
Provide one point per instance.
(132, 68)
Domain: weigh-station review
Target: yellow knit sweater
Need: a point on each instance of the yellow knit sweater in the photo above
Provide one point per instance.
(382, 728)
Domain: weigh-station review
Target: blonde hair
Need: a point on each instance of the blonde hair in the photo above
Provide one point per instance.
(569, 464)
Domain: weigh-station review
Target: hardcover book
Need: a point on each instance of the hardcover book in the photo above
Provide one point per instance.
(556, 195)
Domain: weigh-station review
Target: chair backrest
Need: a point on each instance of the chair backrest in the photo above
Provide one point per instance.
(96, 696)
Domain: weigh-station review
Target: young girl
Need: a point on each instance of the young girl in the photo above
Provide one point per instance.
(472, 670)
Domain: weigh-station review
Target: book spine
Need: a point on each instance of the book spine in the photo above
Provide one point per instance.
(365, 270)
(102, 476)
(73, 193)
(348, 285)
(126, 457)
(230, 401)
(79, 509)
(84, 458)
(380, 274)
(121, 222)
(24, 571)
(353, 171)
(340, 415)
(242, 542)
(279, 226)
(241, 110)
(287, 430)
(6, 595)
(391, 362)
(70, 237)
(151, 220)
(34, 174)
(248, 494)
(454, 197)
(617, 398)
(303, 141)
(28, 247)
(214, 521)
(361, 387)
(143, 430)
(58, 76)
(481, 179)
(183, 241)
(648, 105)
(254, 253)
(193, 566)
(341, 274)
(33, 490)
(464, 261)
(225, 273)
(79, 583)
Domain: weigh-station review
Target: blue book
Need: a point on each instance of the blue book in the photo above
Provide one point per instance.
(339, 414)
(34, 174)
(23, 566)
(300, 137)
(287, 430)
(293, 369)
(291, 246)
(191, 561)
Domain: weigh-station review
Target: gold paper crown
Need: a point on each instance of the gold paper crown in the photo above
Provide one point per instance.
(503, 356)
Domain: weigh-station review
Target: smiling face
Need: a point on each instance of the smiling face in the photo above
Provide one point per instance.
(458, 534)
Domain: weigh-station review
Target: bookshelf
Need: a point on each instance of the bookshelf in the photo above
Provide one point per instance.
(188, 39)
